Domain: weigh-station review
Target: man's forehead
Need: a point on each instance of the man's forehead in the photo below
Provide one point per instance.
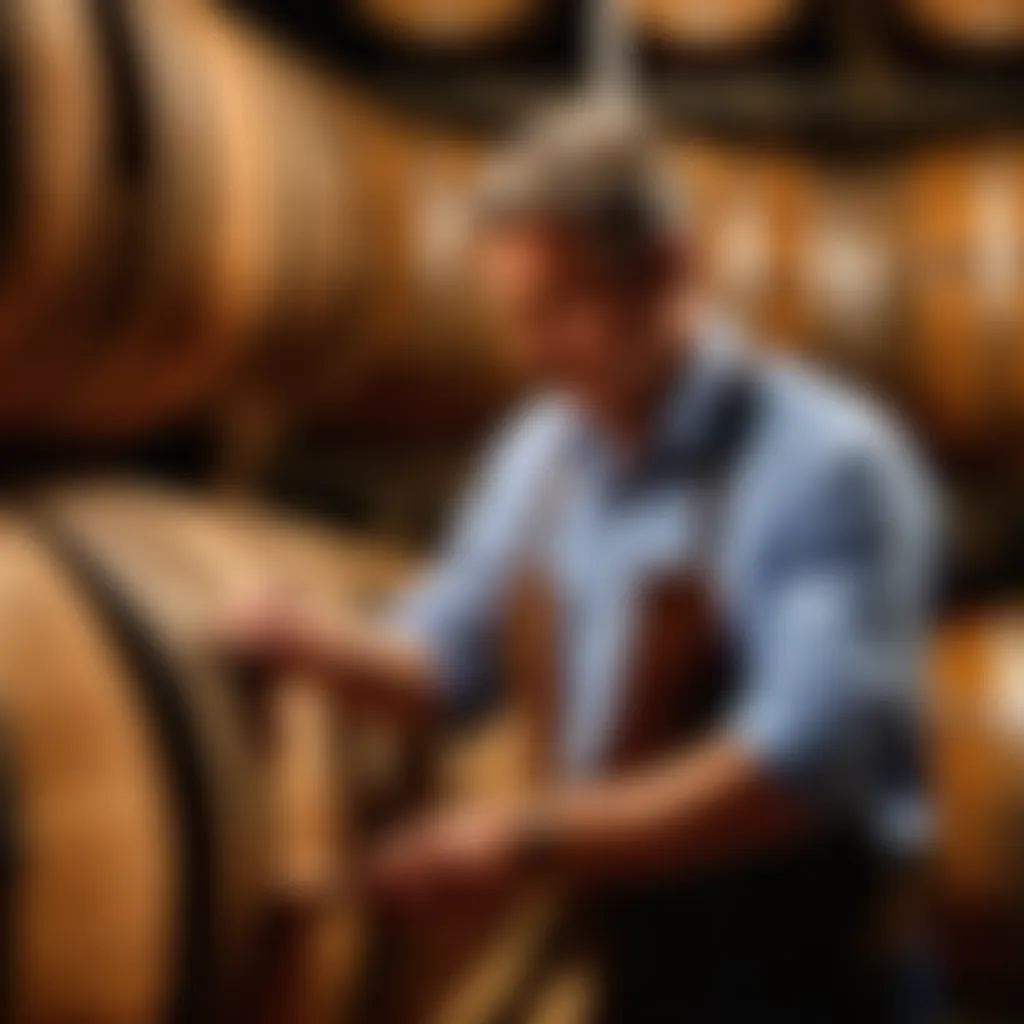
(534, 246)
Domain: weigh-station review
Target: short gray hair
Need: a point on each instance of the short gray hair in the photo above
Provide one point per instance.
(594, 165)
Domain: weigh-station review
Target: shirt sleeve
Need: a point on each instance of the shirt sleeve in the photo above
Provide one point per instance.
(455, 610)
(835, 639)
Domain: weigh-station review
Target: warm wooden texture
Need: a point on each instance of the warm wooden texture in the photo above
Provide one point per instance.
(985, 25)
(181, 558)
(446, 23)
(962, 221)
(184, 203)
(97, 883)
(750, 214)
(100, 886)
(848, 265)
(419, 353)
(714, 27)
(905, 275)
(58, 135)
(978, 755)
(802, 252)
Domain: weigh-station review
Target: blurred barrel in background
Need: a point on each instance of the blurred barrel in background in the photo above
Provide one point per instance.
(713, 28)
(849, 274)
(978, 764)
(197, 212)
(317, 235)
(188, 267)
(178, 842)
(445, 23)
(198, 220)
(226, 222)
(962, 219)
(751, 211)
(150, 316)
(906, 274)
(416, 338)
(55, 126)
(802, 250)
(989, 26)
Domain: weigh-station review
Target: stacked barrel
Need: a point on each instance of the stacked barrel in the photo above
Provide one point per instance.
(716, 29)
(194, 222)
(194, 214)
(988, 27)
(419, 358)
(176, 197)
(191, 214)
(448, 23)
(176, 843)
(180, 839)
(906, 272)
(978, 765)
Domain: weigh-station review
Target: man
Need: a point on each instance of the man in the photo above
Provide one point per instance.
(741, 867)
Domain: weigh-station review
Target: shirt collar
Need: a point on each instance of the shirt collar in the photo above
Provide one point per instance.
(706, 373)
(688, 419)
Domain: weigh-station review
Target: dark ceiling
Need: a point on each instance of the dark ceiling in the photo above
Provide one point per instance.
(845, 73)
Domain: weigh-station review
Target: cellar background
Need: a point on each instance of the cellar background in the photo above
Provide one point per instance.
(232, 259)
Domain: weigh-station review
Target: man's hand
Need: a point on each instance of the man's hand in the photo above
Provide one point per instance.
(357, 660)
(466, 860)
(267, 627)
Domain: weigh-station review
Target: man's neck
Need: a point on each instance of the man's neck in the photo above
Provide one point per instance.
(629, 419)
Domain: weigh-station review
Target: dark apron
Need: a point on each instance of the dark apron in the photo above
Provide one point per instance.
(783, 936)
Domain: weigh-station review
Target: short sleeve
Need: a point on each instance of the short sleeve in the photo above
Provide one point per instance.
(835, 639)
(455, 611)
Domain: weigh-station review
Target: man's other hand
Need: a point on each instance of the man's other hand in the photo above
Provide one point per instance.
(266, 627)
(459, 861)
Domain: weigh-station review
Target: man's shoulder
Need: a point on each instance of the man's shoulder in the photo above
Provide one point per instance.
(826, 425)
(833, 454)
(845, 476)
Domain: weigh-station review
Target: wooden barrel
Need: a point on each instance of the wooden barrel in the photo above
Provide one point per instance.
(175, 854)
(421, 355)
(750, 212)
(313, 220)
(448, 23)
(985, 26)
(962, 222)
(220, 213)
(54, 122)
(714, 28)
(178, 281)
(978, 768)
(312, 337)
(849, 274)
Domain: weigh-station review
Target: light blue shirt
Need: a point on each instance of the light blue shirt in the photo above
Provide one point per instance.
(822, 568)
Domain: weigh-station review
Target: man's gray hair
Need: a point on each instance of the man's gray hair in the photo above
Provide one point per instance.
(593, 165)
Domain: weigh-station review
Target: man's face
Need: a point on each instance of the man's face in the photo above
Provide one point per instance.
(564, 318)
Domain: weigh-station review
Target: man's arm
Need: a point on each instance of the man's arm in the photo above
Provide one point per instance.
(707, 805)
(702, 807)
(366, 665)
(436, 648)
(838, 619)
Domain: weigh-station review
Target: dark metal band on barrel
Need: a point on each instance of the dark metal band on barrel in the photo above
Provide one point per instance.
(165, 697)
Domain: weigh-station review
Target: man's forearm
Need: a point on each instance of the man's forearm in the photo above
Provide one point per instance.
(369, 667)
(711, 803)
